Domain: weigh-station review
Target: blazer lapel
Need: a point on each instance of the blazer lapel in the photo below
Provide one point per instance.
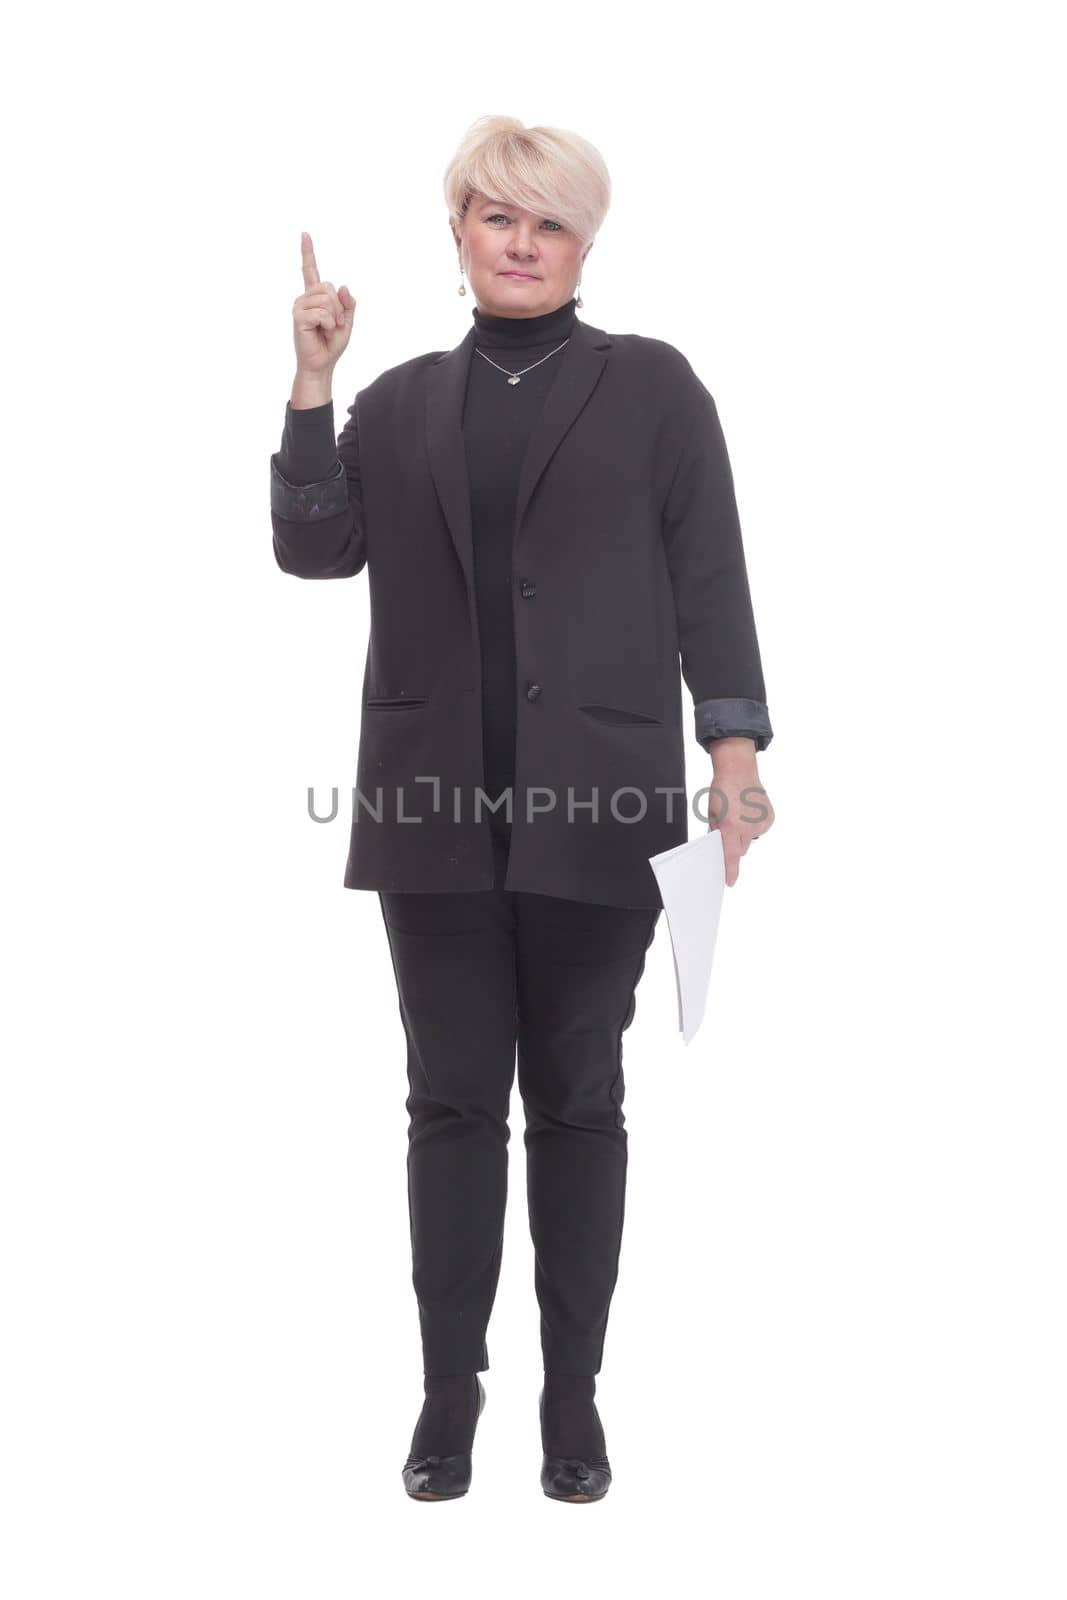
(581, 362)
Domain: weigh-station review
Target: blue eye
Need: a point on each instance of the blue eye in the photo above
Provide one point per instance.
(548, 220)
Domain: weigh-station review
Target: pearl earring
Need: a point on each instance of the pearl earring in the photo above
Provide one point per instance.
(578, 291)
(462, 288)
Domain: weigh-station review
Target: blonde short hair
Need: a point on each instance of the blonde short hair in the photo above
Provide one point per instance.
(551, 171)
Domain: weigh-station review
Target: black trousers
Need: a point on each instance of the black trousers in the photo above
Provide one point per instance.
(481, 977)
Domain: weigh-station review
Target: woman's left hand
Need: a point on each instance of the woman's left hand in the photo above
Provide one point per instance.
(738, 805)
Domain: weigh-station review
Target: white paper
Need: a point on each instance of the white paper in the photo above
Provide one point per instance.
(692, 880)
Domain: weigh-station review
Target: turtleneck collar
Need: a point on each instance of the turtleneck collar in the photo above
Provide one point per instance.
(513, 333)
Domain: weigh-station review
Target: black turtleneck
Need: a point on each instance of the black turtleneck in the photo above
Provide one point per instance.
(497, 419)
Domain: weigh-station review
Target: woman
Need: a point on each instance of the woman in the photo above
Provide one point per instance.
(546, 515)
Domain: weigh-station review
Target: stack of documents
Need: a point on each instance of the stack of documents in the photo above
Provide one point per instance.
(692, 878)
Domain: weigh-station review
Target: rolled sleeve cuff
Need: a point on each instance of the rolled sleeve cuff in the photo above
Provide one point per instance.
(307, 502)
(732, 719)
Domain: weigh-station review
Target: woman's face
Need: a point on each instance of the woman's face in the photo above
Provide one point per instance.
(497, 239)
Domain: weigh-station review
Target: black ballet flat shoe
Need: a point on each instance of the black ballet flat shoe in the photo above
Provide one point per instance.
(570, 1478)
(441, 1477)
(578, 1479)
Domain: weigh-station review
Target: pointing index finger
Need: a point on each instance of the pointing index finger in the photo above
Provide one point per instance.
(307, 262)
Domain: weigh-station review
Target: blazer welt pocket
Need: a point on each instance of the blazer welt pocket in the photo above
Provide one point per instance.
(618, 714)
(396, 702)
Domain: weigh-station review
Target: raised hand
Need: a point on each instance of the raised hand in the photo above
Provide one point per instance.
(322, 319)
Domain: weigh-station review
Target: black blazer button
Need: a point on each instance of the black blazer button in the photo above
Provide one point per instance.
(532, 691)
(528, 589)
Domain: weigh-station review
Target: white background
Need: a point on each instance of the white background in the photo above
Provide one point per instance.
(834, 1363)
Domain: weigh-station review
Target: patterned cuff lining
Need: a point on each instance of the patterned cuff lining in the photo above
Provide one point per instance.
(308, 502)
(735, 718)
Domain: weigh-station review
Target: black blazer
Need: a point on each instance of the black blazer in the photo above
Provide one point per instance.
(627, 558)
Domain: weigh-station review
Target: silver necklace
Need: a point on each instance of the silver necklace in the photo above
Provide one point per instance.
(513, 377)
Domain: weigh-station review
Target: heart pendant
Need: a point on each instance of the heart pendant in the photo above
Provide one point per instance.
(513, 380)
